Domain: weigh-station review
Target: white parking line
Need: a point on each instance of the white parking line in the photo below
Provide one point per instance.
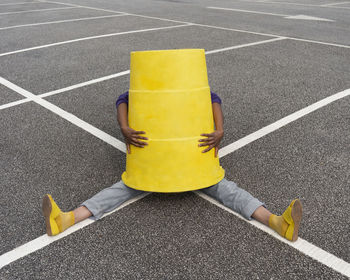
(41, 10)
(297, 17)
(60, 21)
(45, 240)
(301, 245)
(19, 3)
(305, 247)
(14, 103)
(212, 26)
(94, 81)
(281, 123)
(334, 4)
(78, 6)
(246, 11)
(245, 45)
(295, 4)
(66, 115)
(123, 73)
(93, 37)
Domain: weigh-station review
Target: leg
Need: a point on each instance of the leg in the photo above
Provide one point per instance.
(239, 200)
(81, 213)
(262, 215)
(105, 201)
(235, 198)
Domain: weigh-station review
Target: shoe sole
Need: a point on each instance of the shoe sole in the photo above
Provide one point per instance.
(297, 212)
(47, 208)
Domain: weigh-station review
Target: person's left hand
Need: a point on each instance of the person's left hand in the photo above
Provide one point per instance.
(212, 141)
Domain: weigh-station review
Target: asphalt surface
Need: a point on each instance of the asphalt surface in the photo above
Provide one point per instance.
(176, 236)
(8, 95)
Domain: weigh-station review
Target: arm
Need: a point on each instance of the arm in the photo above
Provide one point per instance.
(213, 139)
(131, 136)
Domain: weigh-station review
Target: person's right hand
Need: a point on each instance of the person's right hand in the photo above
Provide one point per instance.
(132, 137)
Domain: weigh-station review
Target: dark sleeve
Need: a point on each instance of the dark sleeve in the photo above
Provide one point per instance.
(215, 98)
(124, 98)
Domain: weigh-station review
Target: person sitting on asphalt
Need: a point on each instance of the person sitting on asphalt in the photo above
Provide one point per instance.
(226, 192)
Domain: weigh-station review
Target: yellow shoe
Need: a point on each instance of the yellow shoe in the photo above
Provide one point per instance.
(51, 211)
(292, 216)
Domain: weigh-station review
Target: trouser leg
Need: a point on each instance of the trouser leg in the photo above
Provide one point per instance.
(110, 198)
(233, 197)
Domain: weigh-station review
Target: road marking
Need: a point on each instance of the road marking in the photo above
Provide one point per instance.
(123, 73)
(19, 3)
(211, 26)
(60, 21)
(291, 3)
(44, 240)
(41, 10)
(14, 103)
(78, 6)
(246, 11)
(334, 4)
(245, 45)
(304, 17)
(66, 115)
(94, 81)
(301, 245)
(301, 17)
(92, 37)
(281, 123)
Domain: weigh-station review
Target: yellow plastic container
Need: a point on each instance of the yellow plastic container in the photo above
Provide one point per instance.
(169, 99)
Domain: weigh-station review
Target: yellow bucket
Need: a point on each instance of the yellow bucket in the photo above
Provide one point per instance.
(169, 99)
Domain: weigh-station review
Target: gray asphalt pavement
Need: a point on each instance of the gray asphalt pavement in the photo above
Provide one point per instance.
(8, 95)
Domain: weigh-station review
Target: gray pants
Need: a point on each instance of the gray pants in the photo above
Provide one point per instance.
(226, 192)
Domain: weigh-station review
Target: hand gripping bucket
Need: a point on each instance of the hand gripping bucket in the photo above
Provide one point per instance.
(169, 99)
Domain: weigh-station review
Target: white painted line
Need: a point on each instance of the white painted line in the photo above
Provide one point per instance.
(284, 3)
(41, 10)
(273, 35)
(282, 122)
(45, 240)
(59, 21)
(245, 45)
(289, 3)
(67, 116)
(93, 37)
(19, 3)
(246, 11)
(213, 26)
(301, 245)
(300, 17)
(256, 33)
(14, 103)
(334, 4)
(78, 6)
(305, 17)
(127, 72)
